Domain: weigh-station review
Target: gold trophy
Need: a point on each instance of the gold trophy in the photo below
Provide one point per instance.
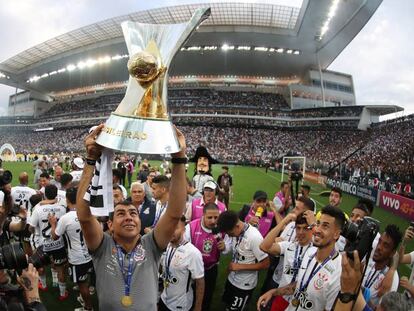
(141, 123)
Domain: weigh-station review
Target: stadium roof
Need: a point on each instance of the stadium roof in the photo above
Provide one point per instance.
(265, 40)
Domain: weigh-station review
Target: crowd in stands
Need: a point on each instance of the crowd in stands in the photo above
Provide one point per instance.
(387, 150)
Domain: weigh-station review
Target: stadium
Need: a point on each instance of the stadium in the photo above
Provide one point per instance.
(251, 85)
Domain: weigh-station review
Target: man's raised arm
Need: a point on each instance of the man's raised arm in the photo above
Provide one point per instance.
(92, 231)
(178, 193)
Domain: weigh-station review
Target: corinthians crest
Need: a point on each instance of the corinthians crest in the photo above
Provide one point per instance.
(141, 123)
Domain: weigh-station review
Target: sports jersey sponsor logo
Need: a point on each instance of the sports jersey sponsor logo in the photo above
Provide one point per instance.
(329, 268)
(304, 301)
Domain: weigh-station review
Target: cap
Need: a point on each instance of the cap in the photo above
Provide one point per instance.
(210, 184)
(79, 162)
(259, 194)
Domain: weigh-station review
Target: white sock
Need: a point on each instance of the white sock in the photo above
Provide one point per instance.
(62, 288)
(43, 280)
(54, 276)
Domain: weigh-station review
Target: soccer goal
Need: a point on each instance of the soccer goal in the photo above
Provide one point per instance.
(289, 164)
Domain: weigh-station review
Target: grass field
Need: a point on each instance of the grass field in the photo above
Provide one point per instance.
(246, 181)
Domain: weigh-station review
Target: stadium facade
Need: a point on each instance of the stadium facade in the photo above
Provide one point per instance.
(242, 47)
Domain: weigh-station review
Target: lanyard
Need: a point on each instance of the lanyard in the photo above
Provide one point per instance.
(239, 239)
(298, 259)
(169, 255)
(315, 269)
(371, 280)
(127, 277)
(158, 215)
(291, 233)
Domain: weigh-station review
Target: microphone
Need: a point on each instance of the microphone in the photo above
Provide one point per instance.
(259, 212)
(215, 231)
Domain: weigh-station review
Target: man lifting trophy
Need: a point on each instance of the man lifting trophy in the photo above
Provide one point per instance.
(141, 123)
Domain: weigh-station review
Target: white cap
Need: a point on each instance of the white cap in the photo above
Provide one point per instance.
(79, 162)
(210, 184)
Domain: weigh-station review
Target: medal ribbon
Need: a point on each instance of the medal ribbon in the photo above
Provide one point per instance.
(127, 277)
(158, 215)
(298, 260)
(239, 239)
(315, 270)
(169, 257)
(371, 280)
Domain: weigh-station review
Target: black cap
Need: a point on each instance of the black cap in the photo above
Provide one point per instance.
(259, 194)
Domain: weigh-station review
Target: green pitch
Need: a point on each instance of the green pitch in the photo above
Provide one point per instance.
(246, 181)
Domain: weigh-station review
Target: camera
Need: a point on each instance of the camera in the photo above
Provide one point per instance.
(5, 178)
(12, 256)
(360, 236)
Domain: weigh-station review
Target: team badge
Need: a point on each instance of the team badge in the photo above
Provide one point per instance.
(320, 281)
(139, 253)
(207, 246)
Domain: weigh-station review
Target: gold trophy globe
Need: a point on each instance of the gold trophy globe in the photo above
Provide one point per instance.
(141, 123)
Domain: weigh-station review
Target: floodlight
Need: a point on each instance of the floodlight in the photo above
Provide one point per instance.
(70, 67)
(280, 50)
(226, 47)
(261, 48)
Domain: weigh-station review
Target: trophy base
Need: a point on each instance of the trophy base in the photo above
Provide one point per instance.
(137, 135)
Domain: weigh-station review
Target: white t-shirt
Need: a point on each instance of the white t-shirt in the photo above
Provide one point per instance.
(288, 234)
(293, 255)
(246, 250)
(39, 219)
(373, 279)
(21, 196)
(35, 239)
(185, 264)
(69, 227)
(323, 287)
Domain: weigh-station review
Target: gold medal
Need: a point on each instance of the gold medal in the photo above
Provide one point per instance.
(166, 283)
(295, 302)
(126, 301)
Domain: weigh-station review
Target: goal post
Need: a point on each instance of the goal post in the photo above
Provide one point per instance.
(287, 162)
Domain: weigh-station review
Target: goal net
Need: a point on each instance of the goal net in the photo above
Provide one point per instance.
(293, 163)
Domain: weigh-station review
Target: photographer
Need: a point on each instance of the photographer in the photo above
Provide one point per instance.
(351, 298)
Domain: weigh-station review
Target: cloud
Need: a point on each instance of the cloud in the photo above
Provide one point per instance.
(380, 58)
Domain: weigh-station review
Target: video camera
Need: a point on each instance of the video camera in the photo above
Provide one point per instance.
(12, 257)
(360, 236)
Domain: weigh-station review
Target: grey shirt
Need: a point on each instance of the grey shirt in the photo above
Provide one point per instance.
(110, 284)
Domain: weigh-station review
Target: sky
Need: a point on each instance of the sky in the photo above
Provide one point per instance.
(380, 58)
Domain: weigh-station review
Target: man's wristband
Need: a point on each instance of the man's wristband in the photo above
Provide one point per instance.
(90, 161)
(179, 160)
